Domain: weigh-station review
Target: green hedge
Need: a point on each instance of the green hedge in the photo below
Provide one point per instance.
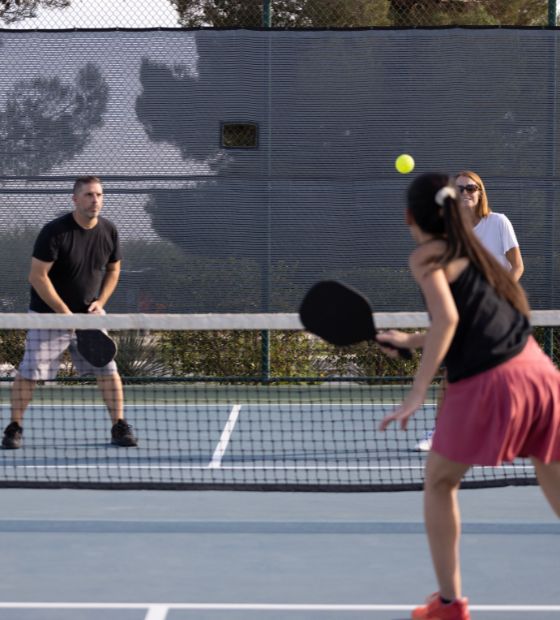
(239, 353)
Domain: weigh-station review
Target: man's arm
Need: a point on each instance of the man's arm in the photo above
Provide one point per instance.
(108, 286)
(40, 281)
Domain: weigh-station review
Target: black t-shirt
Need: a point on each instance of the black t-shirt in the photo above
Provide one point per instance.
(80, 256)
(490, 329)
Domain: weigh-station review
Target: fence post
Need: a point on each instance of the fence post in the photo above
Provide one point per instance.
(266, 14)
(552, 18)
(552, 13)
(265, 334)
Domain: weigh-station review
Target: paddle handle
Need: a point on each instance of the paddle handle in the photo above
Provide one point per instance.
(405, 354)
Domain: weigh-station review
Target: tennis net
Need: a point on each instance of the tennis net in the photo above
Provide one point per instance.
(240, 402)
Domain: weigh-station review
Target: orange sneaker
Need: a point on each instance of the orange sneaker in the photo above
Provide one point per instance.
(434, 609)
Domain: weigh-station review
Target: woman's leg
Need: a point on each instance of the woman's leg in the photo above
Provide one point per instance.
(548, 476)
(443, 524)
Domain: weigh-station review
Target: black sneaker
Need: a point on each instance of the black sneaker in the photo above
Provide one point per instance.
(122, 435)
(12, 436)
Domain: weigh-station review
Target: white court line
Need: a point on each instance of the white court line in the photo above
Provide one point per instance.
(158, 611)
(221, 448)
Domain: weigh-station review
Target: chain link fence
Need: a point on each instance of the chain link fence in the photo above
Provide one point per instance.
(36, 100)
(305, 14)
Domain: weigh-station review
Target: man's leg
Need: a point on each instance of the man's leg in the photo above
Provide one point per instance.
(112, 393)
(22, 392)
(43, 350)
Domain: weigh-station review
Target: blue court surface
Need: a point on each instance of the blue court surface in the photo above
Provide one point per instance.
(222, 555)
(149, 555)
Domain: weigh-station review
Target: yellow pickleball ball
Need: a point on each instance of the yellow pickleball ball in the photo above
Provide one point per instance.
(404, 163)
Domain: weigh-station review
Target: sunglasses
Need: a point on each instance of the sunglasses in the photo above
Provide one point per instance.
(471, 188)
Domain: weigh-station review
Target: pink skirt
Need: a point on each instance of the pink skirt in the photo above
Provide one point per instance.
(512, 410)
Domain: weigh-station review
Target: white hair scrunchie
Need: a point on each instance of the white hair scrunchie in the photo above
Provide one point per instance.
(443, 193)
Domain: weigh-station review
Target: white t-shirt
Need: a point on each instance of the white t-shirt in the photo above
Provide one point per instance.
(496, 233)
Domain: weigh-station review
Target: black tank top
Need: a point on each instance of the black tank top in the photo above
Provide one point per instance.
(490, 329)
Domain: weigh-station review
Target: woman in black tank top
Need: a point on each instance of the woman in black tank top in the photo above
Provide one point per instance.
(503, 397)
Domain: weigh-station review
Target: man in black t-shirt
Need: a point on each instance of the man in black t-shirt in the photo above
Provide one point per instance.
(75, 268)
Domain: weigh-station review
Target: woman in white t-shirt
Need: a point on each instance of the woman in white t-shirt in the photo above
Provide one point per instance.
(493, 229)
(495, 232)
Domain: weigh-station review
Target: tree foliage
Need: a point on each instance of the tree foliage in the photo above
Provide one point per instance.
(285, 13)
(12, 11)
(361, 13)
(47, 121)
(468, 12)
(327, 13)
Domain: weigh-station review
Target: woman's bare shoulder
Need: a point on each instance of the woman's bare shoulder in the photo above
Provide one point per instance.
(427, 253)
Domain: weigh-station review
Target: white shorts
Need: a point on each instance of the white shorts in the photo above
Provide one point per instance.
(43, 353)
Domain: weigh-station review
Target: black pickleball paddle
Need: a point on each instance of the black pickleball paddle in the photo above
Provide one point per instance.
(97, 347)
(340, 315)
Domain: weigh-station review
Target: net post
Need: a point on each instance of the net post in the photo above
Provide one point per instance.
(549, 342)
(265, 355)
